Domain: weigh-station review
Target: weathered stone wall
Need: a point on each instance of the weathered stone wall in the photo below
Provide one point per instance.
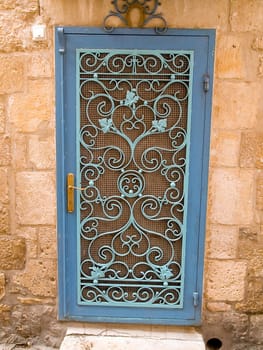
(233, 293)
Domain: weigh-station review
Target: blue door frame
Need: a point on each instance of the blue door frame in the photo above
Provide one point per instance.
(201, 44)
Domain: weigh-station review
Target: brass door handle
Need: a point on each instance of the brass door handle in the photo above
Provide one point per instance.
(70, 193)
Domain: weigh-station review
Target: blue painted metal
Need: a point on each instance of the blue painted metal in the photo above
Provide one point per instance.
(196, 298)
(201, 44)
(60, 150)
(206, 83)
(60, 40)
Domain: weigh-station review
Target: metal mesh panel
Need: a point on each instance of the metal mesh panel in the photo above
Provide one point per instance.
(134, 112)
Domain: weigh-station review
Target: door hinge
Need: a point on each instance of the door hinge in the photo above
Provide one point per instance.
(206, 83)
(195, 298)
(61, 40)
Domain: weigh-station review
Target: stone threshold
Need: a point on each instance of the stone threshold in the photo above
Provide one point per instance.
(95, 338)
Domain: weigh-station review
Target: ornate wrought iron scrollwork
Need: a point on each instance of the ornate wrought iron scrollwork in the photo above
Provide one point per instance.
(147, 12)
(133, 146)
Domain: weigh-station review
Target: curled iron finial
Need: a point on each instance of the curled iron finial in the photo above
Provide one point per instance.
(147, 11)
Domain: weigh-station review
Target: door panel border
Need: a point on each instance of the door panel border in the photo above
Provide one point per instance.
(202, 43)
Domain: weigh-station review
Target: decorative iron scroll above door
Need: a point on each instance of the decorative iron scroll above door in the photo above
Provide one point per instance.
(134, 115)
(146, 11)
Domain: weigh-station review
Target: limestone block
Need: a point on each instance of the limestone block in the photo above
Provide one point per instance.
(39, 277)
(5, 314)
(236, 105)
(28, 110)
(232, 196)
(225, 281)
(2, 285)
(246, 346)
(256, 326)
(32, 321)
(249, 241)
(249, 233)
(182, 14)
(258, 43)
(36, 195)
(2, 118)
(246, 15)
(3, 185)
(18, 19)
(27, 7)
(19, 35)
(251, 150)
(12, 253)
(238, 324)
(4, 220)
(11, 74)
(213, 327)
(225, 146)
(41, 151)
(54, 331)
(27, 324)
(19, 151)
(218, 306)
(7, 4)
(258, 216)
(259, 193)
(222, 242)
(189, 14)
(31, 238)
(4, 150)
(260, 65)
(230, 62)
(10, 40)
(235, 58)
(47, 242)
(39, 66)
(253, 302)
(70, 13)
(255, 263)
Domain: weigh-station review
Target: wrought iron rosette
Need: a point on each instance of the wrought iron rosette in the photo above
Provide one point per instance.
(123, 10)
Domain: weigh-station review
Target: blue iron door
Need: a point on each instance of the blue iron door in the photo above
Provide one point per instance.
(133, 111)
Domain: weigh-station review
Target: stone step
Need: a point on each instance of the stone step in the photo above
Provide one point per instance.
(178, 341)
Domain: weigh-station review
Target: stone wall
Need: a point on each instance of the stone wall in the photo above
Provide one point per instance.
(233, 293)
